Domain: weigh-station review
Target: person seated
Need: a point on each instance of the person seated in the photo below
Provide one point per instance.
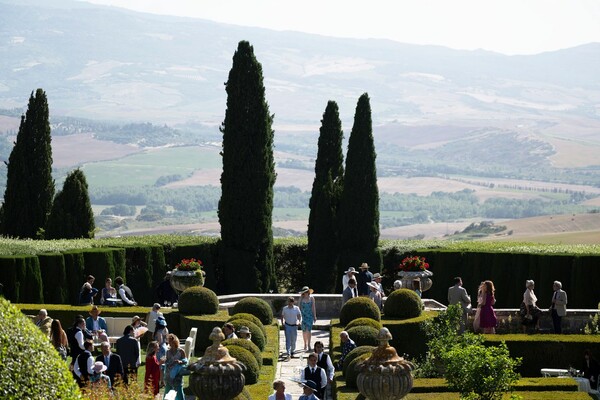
(87, 292)
(244, 333)
(43, 321)
(124, 292)
(347, 346)
(108, 292)
(96, 324)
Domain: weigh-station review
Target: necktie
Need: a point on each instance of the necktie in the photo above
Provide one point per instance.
(312, 370)
(106, 358)
(354, 292)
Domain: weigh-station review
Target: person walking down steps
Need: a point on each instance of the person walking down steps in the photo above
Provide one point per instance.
(290, 319)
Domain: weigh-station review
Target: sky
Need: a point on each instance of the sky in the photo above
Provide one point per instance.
(505, 26)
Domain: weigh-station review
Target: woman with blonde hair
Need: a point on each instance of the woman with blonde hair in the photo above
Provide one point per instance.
(280, 394)
(488, 320)
(309, 315)
(174, 363)
(530, 313)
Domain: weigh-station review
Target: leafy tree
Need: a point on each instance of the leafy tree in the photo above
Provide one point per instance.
(358, 215)
(246, 204)
(72, 216)
(29, 186)
(322, 251)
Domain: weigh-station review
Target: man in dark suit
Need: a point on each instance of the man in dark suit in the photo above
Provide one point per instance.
(114, 366)
(129, 350)
(364, 276)
(350, 291)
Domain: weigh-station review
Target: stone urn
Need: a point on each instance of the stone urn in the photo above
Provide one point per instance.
(407, 278)
(217, 375)
(181, 280)
(385, 375)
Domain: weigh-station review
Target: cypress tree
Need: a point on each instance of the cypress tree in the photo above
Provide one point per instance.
(29, 185)
(322, 251)
(72, 216)
(358, 215)
(246, 204)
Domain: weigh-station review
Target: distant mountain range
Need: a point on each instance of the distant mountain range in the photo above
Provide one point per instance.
(111, 64)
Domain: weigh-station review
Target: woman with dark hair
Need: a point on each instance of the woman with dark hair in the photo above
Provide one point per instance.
(488, 320)
(58, 338)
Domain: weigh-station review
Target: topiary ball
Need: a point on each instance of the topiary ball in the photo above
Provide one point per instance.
(403, 304)
(255, 306)
(249, 317)
(351, 372)
(257, 338)
(30, 366)
(246, 344)
(198, 300)
(356, 352)
(245, 395)
(358, 307)
(364, 335)
(246, 358)
(364, 322)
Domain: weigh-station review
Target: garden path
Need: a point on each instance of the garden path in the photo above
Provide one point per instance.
(289, 371)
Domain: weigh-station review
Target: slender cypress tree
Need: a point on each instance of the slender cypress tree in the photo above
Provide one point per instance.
(246, 204)
(358, 215)
(29, 185)
(322, 251)
(72, 216)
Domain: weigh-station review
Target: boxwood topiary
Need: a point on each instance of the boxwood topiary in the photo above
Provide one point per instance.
(246, 344)
(255, 306)
(246, 358)
(358, 307)
(258, 338)
(356, 352)
(364, 335)
(198, 300)
(249, 317)
(403, 304)
(364, 322)
(351, 372)
(31, 367)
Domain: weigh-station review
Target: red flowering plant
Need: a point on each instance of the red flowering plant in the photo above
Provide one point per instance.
(413, 263)
(189, 264)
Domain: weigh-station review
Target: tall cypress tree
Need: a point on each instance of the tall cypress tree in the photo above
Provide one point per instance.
(72, 216)
(29, 185)
(322, 251)
(246, 204)
(358, 215)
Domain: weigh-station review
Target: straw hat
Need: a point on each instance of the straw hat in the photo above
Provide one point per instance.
(350, 269)
(95, 311)
(306, 289)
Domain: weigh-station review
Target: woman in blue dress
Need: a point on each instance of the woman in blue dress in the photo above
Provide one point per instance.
(309, 315)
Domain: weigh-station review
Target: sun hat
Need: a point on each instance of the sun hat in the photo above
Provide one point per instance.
(244, 329)
(99, 367)
(376, 275)
(310, 384)
(306, 289)
(156, 306)
(373, 285)
(364, 266)
(135, 319)
(350, 269)
(95, 308)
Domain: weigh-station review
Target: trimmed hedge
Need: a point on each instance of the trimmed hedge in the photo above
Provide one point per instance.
(257, 336)
(356, 352)
(351, 374)
(198, 300)
(246, 358)
(74, 264)
(255, 306)
(22, 279)
(249, 317)
(403, 304)
(54, 276)
(409, 335)
(139, 274)
(248, 345)
(359, 307)
(364, 335)
(439, 385)
(365, 322)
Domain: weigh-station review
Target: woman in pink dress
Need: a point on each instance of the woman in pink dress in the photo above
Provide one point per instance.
(488, 319)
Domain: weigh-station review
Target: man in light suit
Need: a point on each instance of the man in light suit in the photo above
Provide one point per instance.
(458, 295)
(559, 306)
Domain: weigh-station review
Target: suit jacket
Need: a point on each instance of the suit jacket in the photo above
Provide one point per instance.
(458, 295)
(561, 302)
(89, 324)
(129, 350)
(347, 295)
(115, 366)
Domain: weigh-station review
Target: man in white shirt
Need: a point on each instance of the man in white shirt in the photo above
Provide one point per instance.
(124, 292)
(151, 318)
(324, 361)
(316, 374)
(84, 364)
(290, 319)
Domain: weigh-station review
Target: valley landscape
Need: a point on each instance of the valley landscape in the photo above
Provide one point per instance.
(461, 136)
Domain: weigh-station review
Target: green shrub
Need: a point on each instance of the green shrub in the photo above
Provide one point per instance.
(243, 396)
(139, 273)
(258, 338)
(364, 322)
(22, 279)
(410, 335)
(246, 358)
(356, 352)
(31, 367)
(52, 267)
(351, 372)
(403, 304)
(198, 300)
(359, 307)
(364, 335)
(255, 306)
(248, 345)
(249, 317)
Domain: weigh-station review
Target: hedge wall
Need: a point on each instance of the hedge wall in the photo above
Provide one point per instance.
(54, 276)
(408, 336)
(22, 279)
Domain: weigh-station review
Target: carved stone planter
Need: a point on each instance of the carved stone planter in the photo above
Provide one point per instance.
(217, 375)
(408, 277)
(385, 375)
(181, 280)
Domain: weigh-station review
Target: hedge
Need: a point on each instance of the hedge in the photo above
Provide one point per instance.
(139, 274)
(408, 335)
(54, 276)
(439, 385)
(22, 279)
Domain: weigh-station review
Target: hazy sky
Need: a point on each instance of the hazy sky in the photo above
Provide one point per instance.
(506, 26)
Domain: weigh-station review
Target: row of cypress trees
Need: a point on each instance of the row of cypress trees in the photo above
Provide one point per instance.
(343, 225)
(30, 209)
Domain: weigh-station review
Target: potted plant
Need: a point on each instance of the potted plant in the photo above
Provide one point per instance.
(186, 274)
(414, 267)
